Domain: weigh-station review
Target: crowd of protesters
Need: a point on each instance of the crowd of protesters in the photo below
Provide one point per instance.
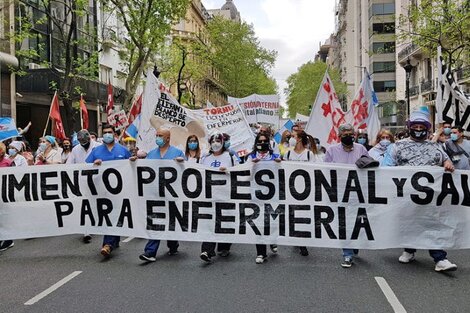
(414, 146)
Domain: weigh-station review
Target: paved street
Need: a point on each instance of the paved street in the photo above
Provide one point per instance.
(288, 282)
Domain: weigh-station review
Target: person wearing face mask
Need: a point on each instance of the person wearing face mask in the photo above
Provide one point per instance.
(219, 158)
(346, 152)
(193, 150)
(418, 151)
(363, 139)
(14, 152)
(443, 133)
(66, 149)
(47, 153)
(79, 154)
(284, 145)
(227, 144)
(110, 150)
(262, 152)
(382, 142)
(163, 151)
(458, 149)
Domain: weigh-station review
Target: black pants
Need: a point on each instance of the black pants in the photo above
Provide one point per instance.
(209, 247)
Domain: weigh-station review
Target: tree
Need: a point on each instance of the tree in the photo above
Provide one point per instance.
(147, 23)
(72, 44)
(235, 52)
(302, 87)
(444, 23)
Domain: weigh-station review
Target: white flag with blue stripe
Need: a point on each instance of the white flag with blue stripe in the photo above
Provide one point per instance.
(7, 128)
(287, 126)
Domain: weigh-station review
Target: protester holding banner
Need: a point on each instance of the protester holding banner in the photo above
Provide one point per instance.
(218, 157)
(346, 152)
(79, 154)
(418, 151)
(262, 151)
(48, 152)
(458, 149)
(14, 153)
(193, 149)
(227, 146)
(300, 153)
(4, 162)
(382, 142)
(163, 151)
(66, 148)
(108, 151)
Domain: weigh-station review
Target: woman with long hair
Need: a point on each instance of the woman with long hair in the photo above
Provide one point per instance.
(382, 141)
(193, 149)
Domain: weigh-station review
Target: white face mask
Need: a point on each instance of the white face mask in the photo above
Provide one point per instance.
(216, 146)
(292, 142)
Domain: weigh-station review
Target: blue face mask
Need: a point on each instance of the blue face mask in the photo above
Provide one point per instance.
(447, 131)
(227, 144)
(11, 152)
(108, 138)
(361, 141)
(160, 141)
(385, 142)
(454, 137)
(192, 146)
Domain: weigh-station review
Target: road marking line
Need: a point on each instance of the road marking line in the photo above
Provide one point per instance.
(128, 239)
(52, 288)
(390, 295)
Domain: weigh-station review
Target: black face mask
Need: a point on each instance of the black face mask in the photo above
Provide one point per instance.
(85, 145)
(418, 134)
(262, 146)
(347, 140)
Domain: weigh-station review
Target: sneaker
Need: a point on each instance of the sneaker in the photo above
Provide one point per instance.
(273, 248)
(303, 251)
(147, 258)
(7, 244)
(260, 259)
(106, 251)
(172, 252)
(406, 257)
(224, 253)
(347, 262)
(206, 257)
(445, 266)
(86, 239)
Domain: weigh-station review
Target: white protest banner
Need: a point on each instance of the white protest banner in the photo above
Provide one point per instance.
(262, 109)
(118, 120)
(321, 205)
(144, 130)
(301, 120)
(229, 119)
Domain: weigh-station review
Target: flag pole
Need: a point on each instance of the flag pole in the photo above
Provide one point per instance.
(49, 116)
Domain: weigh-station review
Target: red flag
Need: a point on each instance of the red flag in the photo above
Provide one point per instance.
(110, 105)
(84, 113)
(135, 109)
(57, 126)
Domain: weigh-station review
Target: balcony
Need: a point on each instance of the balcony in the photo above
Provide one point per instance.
(463, 73)
(427, 86)
(411, 50)
(414, 90)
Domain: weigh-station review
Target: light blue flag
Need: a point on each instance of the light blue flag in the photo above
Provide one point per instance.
(7, 128)
(287, 126)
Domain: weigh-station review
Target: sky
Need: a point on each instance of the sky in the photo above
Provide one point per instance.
(294, 28)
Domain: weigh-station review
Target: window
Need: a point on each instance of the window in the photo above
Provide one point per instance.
(383, 47)
(383, 67)
(106, 74)
(385, 86)
(382, 9)
(383, 28)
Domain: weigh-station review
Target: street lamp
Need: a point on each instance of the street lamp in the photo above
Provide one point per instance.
(408, 68)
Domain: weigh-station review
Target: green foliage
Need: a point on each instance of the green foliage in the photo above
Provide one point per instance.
(235, 52)
(302, 87)
(444, 23)
(147, 23)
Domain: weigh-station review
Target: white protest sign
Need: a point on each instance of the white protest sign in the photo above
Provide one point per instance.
(262, 109)
(322, 205)
(118, 120)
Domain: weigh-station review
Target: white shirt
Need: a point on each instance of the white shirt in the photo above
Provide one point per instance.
(304, 156)
(79, 154)
(224, 160)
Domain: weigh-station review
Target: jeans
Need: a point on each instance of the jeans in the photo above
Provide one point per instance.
(209, 247)
(151, 247)
(112, 241)
(437, 255)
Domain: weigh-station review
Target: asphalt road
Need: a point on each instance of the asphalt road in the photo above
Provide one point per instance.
(287, 282)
